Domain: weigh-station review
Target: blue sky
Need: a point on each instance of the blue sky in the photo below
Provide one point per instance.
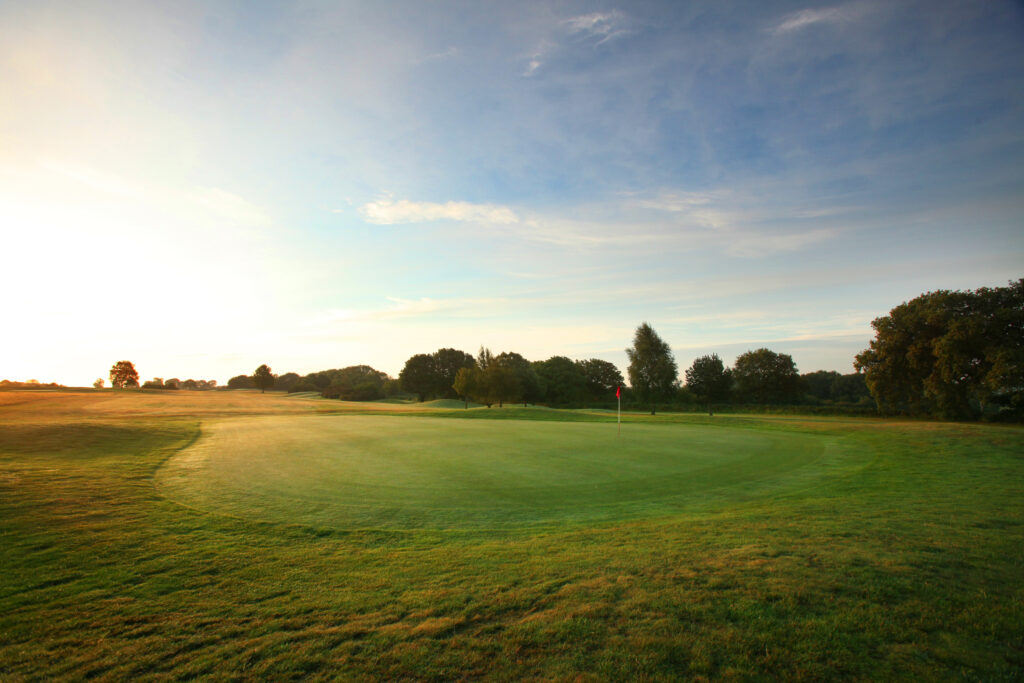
(204, 187)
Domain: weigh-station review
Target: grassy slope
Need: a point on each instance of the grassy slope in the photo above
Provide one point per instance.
(912, 567)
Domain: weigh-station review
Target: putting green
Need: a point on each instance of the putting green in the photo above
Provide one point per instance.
(360, 472)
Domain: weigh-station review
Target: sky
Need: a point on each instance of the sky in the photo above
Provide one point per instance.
(203, 187)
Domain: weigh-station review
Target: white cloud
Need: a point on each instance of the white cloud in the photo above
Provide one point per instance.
(388, 212)
(603, 25)
(809, 17)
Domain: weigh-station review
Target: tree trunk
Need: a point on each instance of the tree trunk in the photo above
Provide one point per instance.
(710, 412)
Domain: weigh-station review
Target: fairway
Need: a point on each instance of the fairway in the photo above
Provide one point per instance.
(240, 535)
(383, 472)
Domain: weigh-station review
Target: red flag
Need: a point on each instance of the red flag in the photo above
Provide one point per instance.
(618, 392)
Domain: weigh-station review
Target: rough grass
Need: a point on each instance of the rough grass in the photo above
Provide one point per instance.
(908, 565)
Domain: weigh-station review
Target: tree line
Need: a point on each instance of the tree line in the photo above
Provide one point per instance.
(948, 354)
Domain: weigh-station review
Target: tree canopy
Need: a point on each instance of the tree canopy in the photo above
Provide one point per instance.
(123, 374)
(263, 378)
(653, 373)
(954, 354)
(601, 378)
(764, 376)
(709, 380)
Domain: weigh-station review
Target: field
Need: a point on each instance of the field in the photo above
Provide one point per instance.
(234, 534)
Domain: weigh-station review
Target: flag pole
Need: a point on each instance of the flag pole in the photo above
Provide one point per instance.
(618, 395)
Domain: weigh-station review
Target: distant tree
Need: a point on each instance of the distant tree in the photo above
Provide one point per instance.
(155, 383)
(528, 386)
(420, 376)
(763, 376)
(501, 381)
(123, 374)
(601, 378)
(172, 383)
(286, 381)
(850, 388)
(354, 383)
(949, 353)
(819, 383)
(653, 374)
(709, 380)
(239, 382)
(563, 379)
(447, 363)
(191, 385)
(98, 384)
(263, 378)
(466, 383)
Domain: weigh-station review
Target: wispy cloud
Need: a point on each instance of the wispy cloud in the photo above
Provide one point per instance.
(826, 15)
(599, 27)
(388, 212)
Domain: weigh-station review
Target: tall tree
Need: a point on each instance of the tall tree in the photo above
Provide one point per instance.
(709, 380)
(764, 376)
(263, 378)
(420, 376)
(528, 385)
(123, 374)
(653, 373)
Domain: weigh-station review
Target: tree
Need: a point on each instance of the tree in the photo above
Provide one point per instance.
(709, 380)
(563, 380)
(466, 383)
(653, 373)
(420, 376)
(819, 383)
(501, 381)
(98, 384)
(263, 378)
(528, 385)
(763, 376)
(447, 363)
(123, 374)
(354, 383)
(236, 382)
(601, 378)
(949, 353)
(286, 381)
(172, 383)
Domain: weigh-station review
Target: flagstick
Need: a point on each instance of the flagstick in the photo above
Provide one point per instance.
(619, 397)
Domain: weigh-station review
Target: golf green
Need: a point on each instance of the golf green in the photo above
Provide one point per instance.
(388, 472)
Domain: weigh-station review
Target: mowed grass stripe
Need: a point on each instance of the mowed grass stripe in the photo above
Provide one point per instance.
(386, 472)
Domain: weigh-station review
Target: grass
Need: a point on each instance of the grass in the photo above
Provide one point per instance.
(317, 539)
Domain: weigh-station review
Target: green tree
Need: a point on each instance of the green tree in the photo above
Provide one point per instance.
(763, 376)
(949, 353)
(653, 374)
(98, 384)
(123, 374)
(709, 380)
(563, 379)
(354, 383)
(819, 383)
(263, 378)
(601, 378)
(420, 376)
(447, 363)
(466, 383)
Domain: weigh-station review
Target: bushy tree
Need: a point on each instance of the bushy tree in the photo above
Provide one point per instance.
(653, 374)
(420, 376)
(286, 381)
(601, 378)
(123, 374)
(563, 379)
(236, 382)
(709, 380)
(98, 384)
(354, 383)
(764, 376)
(466, 384)
(447, 363)
(263, 378)
(949, 353)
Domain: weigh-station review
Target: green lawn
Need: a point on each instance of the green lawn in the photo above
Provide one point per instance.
(242, 535)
